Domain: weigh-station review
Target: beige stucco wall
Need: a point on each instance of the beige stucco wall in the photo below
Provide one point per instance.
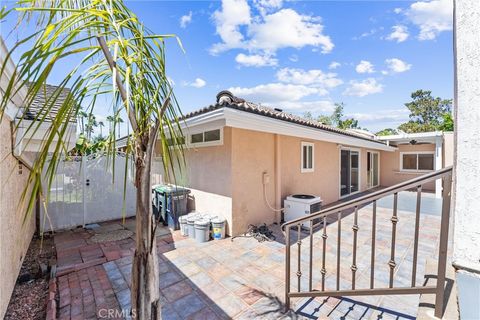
(390, 166)
(208, 174)
(448, 148)
(14, 236)
(253, 153)
(323, 181)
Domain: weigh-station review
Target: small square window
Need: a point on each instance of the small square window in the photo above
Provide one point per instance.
(307, 157)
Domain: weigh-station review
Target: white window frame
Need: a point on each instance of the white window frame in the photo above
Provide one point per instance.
(359, 150)
(366, 166)
(204, 144)
(307, 144)
(416, 153)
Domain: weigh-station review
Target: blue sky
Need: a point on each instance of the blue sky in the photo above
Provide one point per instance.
(306, 55)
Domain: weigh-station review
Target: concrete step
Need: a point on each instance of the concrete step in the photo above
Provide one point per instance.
(426, 307)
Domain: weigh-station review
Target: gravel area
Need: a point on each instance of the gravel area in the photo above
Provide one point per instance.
(28, 299)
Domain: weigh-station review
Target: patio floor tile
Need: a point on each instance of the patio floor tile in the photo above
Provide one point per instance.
(177, 291)
(188, 305)
(231, 304)
(243, 278)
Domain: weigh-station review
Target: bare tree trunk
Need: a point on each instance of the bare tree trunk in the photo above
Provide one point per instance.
(145, 283)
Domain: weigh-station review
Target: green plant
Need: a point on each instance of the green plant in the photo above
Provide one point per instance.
(110, 45)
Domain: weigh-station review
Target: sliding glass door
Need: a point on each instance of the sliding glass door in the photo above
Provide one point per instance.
(372, 169)
(349, 171)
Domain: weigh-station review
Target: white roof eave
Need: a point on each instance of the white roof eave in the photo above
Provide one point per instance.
(249, 121)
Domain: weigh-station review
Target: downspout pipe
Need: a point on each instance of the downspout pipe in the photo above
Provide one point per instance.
(278, 178)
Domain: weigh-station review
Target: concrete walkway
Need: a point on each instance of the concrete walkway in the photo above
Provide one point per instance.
(240, 279)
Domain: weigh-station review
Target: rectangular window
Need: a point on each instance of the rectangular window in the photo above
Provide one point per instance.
(206, 138)
(180, 141)
(307, 157)
(213, 135)
(196, 138)
(417, 161)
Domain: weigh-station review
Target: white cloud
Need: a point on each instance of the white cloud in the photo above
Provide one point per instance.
(234, 13)
(255, 60)
(267, 32)
(382, 115)
(198, 83)
(185, 20)
(287, 28)
(399, 33)
(396, 65)
(432, 17)
(293, 58)
(398, 10)
(364, 67)
(334, 65)
(265, 6)
(275, 92)
(369, 33)
(314, 78)
(363, 88)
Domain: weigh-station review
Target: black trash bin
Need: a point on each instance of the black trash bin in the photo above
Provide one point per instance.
(171, 204)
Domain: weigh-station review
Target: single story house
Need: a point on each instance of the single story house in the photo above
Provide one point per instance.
(18, 149)
(243, 160)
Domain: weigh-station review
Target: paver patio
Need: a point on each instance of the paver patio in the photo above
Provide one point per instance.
(243, 278)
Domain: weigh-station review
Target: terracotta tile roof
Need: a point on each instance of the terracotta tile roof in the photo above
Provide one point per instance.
(35, 109)
(233, 102)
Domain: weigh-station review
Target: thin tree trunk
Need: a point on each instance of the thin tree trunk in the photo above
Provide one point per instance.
(145, 283)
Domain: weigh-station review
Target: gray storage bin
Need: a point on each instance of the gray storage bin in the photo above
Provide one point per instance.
(202, 230)
(183, 225)
(191, 226)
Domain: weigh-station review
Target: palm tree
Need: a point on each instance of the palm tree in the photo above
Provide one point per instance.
(82, 115)
(101, 125)
(119, 121)
(109, 43)
(110, 120)
(91, 124)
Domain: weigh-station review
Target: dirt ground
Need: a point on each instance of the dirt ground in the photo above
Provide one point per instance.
(28, 299)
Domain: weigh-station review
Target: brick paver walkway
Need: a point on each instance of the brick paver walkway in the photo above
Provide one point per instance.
(241, 279)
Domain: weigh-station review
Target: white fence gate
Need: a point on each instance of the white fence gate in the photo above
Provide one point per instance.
(89, 189)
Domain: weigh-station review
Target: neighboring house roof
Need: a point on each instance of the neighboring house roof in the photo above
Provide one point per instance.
(413, 138)
(121, 142)
(225, 99)
(37, 106)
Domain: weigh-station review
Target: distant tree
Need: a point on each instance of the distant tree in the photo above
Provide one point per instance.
(337, 114)
(447, 124)
(90, 125)
(308, 115)
(426, 112)
(101, 125)
(81, 116)
(349, 123)
(387, 132)
(335, 119)
(325, 119)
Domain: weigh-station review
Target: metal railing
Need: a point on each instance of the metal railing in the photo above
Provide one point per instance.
(320, 219)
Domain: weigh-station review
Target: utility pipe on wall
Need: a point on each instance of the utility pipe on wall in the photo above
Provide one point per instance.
(278, 178)
(278, 188)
